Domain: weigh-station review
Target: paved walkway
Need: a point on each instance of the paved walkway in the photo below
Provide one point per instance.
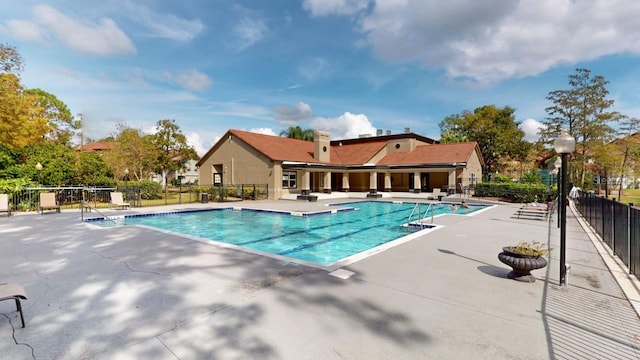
(134, 293)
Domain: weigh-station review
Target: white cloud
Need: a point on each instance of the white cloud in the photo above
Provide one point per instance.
(531, 128)
(339, 7)
(136, 77)
(197, 143)
(102, 38)
(193, 79)
(314, 68)
(345, 126)
(25, 30)
(250, 29)
(167, 26)
(491, 40)
(292, 115)
(265, 131)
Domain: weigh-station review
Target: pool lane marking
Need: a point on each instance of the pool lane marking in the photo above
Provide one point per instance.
(302, 247)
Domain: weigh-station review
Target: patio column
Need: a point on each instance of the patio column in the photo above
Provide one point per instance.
(416, 182)
(387, 181)
(373, 182)
(452, 180)
(345, 181)
(327, 182)
(373, 185)
(304, 184)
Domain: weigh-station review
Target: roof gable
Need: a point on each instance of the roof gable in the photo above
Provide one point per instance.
(355, 154)
(277, 147)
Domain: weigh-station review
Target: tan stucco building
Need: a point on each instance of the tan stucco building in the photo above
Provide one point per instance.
(401, 163)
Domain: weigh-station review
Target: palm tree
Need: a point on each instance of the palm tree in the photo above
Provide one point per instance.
(296, 132)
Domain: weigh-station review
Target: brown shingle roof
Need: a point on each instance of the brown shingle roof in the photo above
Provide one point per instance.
(432, 154)
(277, 147)
(355, 154)
(286, 149)
(98, 146)
(348, 152)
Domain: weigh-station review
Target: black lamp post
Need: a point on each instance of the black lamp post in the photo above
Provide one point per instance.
(564, 144)
(39, 168)
(557, 165)
(126, 183)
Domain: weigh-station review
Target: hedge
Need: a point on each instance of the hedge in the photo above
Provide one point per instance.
(514, 192)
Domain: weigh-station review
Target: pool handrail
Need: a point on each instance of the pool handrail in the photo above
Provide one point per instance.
(421, 217)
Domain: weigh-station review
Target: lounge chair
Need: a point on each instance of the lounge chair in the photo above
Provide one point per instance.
(5, 206)
(15, 292)
(435, 193)
(48, 202)
(535, 210)
(117, 202)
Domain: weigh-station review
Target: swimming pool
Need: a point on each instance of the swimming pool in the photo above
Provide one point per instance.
(325, 238)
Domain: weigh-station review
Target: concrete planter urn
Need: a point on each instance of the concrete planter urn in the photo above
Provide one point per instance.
(522, 264)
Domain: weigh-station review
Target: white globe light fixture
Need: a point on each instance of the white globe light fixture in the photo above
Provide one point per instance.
(564, 144)
(39, 169)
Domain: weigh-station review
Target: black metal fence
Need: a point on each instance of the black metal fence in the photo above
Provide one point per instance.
(617, 224)
(70, 197)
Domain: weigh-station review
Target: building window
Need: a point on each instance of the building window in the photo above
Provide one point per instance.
(289, 180)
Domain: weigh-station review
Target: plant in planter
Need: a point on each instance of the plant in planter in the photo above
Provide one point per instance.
(523, 258)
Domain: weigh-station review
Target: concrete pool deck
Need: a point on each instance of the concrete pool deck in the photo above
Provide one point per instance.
(134, 293)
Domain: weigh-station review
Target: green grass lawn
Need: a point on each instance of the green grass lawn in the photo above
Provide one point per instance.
(628, 196)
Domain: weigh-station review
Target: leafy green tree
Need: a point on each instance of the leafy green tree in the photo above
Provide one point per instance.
(453, 136)
(134, 152)
(10, 60)
(172, 149)
(61, 165)
(618, 158)
(58, 162)
(61, 123)
(296, 132)
(629, 128)
(22, 120)
(494, 129)
(583, 110)
(93, 170)
(8, 158)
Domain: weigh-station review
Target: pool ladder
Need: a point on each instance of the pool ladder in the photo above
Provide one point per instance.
(87, 205)
(418, 210)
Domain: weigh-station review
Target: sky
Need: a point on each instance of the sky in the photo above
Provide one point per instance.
(345, 66)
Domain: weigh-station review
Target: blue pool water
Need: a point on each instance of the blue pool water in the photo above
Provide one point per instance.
(322, 239)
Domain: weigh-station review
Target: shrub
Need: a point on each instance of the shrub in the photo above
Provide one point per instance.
(531, 178)
(149, 190)
(501, 178)
(10, 186)
(513, 192)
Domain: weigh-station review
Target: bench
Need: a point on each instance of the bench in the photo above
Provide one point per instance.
(310, 198)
